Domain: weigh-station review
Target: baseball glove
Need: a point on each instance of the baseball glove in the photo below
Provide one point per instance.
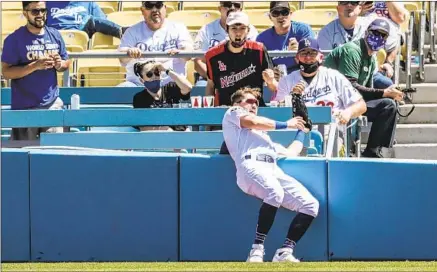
(299, 109)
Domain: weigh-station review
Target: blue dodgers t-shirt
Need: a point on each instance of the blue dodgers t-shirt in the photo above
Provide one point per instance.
(22, 47)
(72, 15)
(273, 41)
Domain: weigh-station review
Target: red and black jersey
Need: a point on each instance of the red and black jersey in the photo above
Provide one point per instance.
(232, 71)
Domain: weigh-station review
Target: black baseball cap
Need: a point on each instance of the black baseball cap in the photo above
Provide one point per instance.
(279, 5)
(152, 3)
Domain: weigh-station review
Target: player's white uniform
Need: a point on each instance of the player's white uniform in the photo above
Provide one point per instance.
(258, 175)
(328, 88)
(172, 35)
(213, 33)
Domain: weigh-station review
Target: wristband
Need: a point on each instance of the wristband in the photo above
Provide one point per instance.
(300, 136)
(280, 125)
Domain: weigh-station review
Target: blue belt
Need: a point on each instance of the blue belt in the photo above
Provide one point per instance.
(261, 157)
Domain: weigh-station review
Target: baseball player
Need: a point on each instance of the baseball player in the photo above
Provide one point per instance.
(258, 175)
(321, 86)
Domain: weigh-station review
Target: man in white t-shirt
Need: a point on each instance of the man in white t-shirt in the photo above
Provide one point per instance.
(155, 34)
(213, 33)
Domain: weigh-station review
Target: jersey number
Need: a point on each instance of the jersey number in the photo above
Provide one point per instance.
(325, 104)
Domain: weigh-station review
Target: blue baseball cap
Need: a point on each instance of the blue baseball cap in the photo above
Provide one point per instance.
(308, 43)
(380, 25)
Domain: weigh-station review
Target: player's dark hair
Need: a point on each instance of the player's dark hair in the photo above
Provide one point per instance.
(238, 96)
(26, 3)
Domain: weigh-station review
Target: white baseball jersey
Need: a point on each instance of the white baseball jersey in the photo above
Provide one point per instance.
(242, 141)
(213, 33)
(171, 35)
(328, 88)
(333, 34)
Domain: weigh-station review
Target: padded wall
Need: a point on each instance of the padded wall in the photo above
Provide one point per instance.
(15, 205)
(218, 220)
(382, 210)
(107, 206)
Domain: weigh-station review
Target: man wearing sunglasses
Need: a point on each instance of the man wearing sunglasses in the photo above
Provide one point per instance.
(284, 35)
(356, 60)
(213, 33)
(31, 57)
(81, 15)
(255, 157)
(237, 63)
(155, 34)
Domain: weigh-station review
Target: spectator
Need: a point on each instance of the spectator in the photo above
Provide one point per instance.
(152, 96)
(81, 15)
(395, 14)
(213, 33)
(237, 63)
(31, 56)
(285, 34)
(155, 34)
(347, 27)
(356, 61)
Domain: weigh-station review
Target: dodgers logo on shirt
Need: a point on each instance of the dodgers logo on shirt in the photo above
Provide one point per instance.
(222, 66)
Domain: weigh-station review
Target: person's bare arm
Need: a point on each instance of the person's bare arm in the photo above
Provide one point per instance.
(252, 121)
(210, 88)
(200, 66)
(181, 81)
(16, 72)
(133, 53)
(270, 80)
(397, 11)
(60, 64)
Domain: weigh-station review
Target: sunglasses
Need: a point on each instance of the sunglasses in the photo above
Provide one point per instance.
(36, 12)
(345, 3)
(280, 12)
(377, 33)
(150, 74)
(229, 5)
(251, 101)
(150, 6)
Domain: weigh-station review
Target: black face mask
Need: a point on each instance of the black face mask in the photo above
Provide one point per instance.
(309, 68)
(239, 43)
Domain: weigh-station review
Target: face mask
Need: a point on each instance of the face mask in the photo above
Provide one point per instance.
(375, 43)
(153, 86)
(309, 68)
(239, 43)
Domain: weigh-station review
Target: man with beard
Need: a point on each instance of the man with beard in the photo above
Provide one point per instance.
(156, 34)
(32, 55)
(285, 34)
(237, 63)
(356, 61)
(215, 32)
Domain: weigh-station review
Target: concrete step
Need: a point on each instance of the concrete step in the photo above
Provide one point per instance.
(422, 114)
(430, 74)
(416, 151)
(411, 134)
(426, 93)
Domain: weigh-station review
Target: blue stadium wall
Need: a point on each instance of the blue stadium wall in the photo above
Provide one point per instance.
(129, 206)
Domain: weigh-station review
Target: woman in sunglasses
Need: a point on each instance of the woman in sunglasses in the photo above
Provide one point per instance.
(284, 35)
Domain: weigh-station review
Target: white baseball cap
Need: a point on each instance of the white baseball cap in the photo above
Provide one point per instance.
(237, 17)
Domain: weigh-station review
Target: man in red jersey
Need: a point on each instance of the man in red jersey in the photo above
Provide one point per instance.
(237, 62)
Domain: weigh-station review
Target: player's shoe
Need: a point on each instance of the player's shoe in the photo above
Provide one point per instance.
(284, 255)
(256, 254)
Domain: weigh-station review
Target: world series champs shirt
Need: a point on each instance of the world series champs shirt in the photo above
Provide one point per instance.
(232, 71)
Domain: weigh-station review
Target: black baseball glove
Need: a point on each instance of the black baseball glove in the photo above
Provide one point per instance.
(299, 109)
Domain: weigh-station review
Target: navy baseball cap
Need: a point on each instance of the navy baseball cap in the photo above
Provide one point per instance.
(279, 5)
(380, 25)
(308, 43)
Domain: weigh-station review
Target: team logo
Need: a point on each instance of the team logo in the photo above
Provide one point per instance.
(307, 42)
(222, 66)
(366, 69)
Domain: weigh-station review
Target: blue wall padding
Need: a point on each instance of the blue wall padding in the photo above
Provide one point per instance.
(15, 205)
(104, 206)
(218, 220)
(381, 210)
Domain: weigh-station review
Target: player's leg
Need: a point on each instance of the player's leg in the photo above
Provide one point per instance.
(259, 181)
(296, 198)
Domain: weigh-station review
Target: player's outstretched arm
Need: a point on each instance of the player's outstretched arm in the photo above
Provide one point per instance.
(252, 121)
(294, 149)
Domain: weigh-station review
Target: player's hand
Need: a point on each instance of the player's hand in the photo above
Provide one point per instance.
(57, 60)
(392, 92)
(160, 67)
(343, 117)
(299, 88)
(44, 63)
(366, 8)
(134, 53)
(389, 71)
(292, 44)
(268, 76)
(297, 123)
